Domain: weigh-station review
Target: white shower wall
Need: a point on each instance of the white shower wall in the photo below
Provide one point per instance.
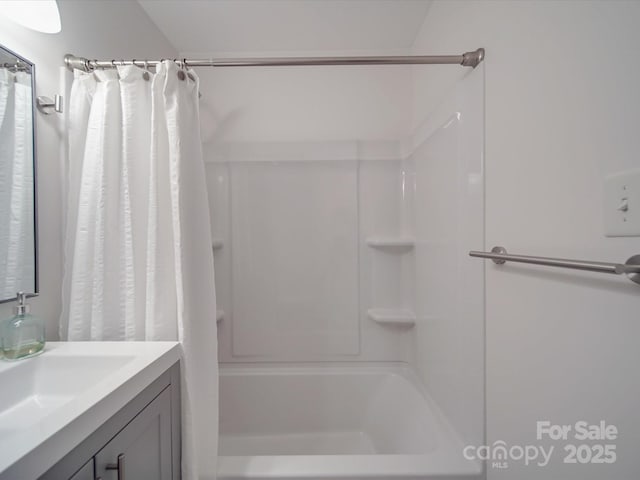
(294, 258)
(294, 273)
(447, 168)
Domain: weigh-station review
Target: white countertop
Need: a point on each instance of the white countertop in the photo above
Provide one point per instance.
(99, 379)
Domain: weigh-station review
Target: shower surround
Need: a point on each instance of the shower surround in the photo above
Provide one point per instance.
(351, 321)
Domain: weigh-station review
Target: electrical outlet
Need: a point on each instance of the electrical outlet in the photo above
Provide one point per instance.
(622, 204)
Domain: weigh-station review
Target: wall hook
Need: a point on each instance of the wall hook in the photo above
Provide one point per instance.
(46, 105)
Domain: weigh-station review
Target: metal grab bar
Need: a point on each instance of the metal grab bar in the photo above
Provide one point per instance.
(631, 267)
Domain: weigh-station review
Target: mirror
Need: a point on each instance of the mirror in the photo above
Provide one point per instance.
(18, 265)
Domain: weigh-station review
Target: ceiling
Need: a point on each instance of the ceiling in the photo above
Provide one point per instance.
(244, 26)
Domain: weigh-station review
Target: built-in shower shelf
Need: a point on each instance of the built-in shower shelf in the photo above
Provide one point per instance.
(392, 316)
(399, 243)
(219, 315)
(217, 244)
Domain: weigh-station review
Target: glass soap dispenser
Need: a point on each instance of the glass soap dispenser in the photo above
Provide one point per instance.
(22, 335)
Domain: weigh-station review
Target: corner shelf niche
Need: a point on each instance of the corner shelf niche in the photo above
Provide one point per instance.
(392, 316)
(401, 244)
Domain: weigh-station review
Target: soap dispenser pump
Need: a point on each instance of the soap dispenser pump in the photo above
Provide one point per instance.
(22, 335)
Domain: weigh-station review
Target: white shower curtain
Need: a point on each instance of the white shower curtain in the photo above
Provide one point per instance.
(138, 256)
(17, 258)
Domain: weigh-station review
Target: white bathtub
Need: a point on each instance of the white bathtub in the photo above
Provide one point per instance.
(340, 422)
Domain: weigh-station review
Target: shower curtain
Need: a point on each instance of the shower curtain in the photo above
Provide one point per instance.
(17, 260)
(138, 256)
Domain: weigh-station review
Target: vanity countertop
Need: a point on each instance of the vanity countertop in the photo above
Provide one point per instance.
(50, 403)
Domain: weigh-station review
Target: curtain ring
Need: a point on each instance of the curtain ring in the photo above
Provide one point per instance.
(145, 74)
(181, 74)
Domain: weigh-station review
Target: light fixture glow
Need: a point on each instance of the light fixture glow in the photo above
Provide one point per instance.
(40, 15)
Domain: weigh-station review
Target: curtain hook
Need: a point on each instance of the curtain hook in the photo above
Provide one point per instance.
(186, 69)
(180, 73)
(146, 74)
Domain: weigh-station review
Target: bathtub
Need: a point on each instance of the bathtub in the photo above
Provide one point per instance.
(338, 422)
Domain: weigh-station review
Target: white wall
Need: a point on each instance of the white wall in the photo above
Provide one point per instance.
(95, 30)
(303, 104)
(562, 111)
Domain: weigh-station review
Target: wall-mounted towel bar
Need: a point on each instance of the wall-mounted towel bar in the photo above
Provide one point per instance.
(631, 268)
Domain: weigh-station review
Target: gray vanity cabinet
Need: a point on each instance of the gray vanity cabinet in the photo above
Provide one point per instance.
(142, 450)
(140, 442)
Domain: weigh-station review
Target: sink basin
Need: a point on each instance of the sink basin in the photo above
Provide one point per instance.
(52, 402)
(36, 387)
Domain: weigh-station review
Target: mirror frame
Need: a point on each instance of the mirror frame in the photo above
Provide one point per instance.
(36, 267)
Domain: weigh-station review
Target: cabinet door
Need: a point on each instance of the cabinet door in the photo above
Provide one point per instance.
(142, 449)
(85, 473)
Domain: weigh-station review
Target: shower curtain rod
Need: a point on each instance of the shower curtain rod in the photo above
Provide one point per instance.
(467, 59)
